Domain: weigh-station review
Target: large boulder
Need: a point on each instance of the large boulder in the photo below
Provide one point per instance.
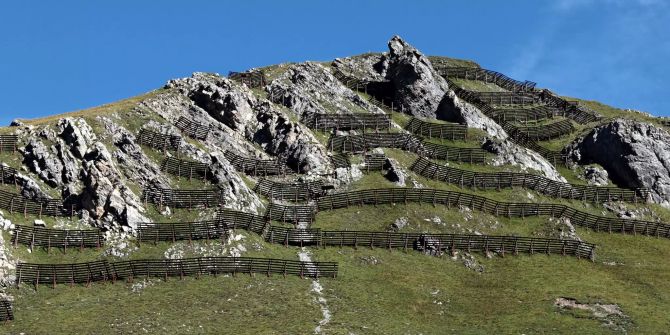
(509, 153)
(635, 154)
(418, 87)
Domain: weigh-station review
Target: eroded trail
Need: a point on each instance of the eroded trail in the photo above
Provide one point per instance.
(317, 292)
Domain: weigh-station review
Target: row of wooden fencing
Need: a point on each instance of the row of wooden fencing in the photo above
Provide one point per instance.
(498, 208)
(97, 271)
(524, 114)
(498, 180)
(519, 137)
(190, 199)
(157, 140)
(432, 243)
(192, 129)
(374, 161)
(488, 76)
(340, 160)
(8, 143)
(252, 79)
(16, 203)
(355, 84)
(257, 167)
(6, 311)
(184, 168)
(572, 110)
(300, 191)
(452, 131)
(8, 175)
(548, 131)
(327, 121)
(57, 238)
(295, 214)
(407, 142)
(508, 98)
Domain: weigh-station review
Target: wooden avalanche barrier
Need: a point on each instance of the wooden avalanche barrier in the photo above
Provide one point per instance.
(549, 131)
(299, 191)
(6, 311)
(96, 271)
(327, 121)
(290, 214)
(57, 238)
(192, 129)
(16, 203)
(486, 205)
(256, 167)
(498, 180)
(252, 79)
(488, 76)
(8, 143)
(184, 168)
(451, 131)
(159, 141)
(183, 198)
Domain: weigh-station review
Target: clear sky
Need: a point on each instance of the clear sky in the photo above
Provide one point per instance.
(59, 56)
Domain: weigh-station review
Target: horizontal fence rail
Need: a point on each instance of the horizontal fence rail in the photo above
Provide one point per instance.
(8, 175)
(16, 203)
(192, 129)
(301, 191)
(520, 114)
(184, 168)
(252, 79)
(183, 231)
(257, 167)
(498, 180)
(57, 238)
(549, 131)
(452, 131)
(572, 110)
(8, 143)
(159, 141)
(96, 271)
(488, 76)
(374, 162)
(6, 311)
(430, 242)
(507, 98)
(327, 121)
(291, 214)
(486, 205)
(183, 198)
(340, 160)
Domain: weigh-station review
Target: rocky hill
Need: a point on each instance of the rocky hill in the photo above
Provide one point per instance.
(388, 193)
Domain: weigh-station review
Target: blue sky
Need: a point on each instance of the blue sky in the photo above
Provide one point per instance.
(59, 56)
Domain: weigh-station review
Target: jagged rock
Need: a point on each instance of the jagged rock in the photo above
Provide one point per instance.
(394, 172)
(17, 123)
(596, 176)
(348, 175)
(77, 134)
(39, 223)
(452, 108)
(561, 228)
(370, 67)
(43, 162)
(223, 103)
(418, 87)
(7, 265)
(508, 153)
(105, 195)
(399, 224)
(635, 154)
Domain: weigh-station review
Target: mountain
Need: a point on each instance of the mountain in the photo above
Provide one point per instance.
(383, 193)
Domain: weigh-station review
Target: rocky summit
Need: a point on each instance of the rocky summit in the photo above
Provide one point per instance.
(383, 193)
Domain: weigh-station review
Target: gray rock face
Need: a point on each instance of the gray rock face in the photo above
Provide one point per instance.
(394, 172)
(257, 120)
(508, 153)
(635, 154)
(418, 87)
(596, 176)
(369, 67)
(77, 134)
(454, 109)
(44, 162)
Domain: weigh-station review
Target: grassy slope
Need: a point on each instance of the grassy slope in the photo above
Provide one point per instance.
(405, 293)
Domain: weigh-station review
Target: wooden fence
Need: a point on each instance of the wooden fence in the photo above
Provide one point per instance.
(340, 160)
(498, 180)
(456, 199)
(8, 143)
(290, 214)
(488, 76)
(374, 162)
(184, 168)
(431, 242)
(57, 238)
(252, 79)
(572, 110)
(242, 220)
(521, 114)
(6, 311)
(257, 167)
(327, 121)
(507, 98)
(300, 191)
(407, 142)
(192, 129)
(548, 131)
(86, 273)
(159, 141)
(452, 131)
(8, 175)
(183, 198)
(183, 231)
(16, 203)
